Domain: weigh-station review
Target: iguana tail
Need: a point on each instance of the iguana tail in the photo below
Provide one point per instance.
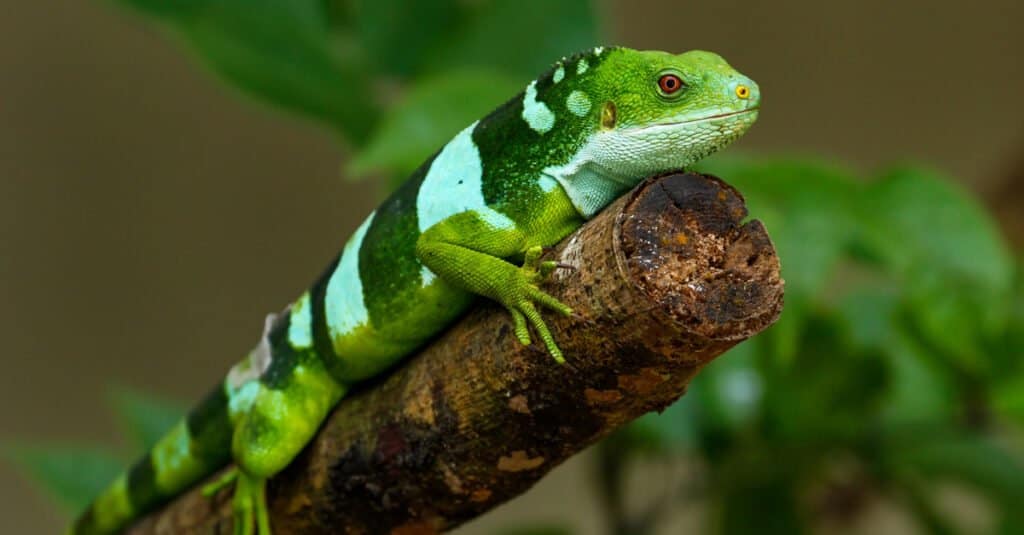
(194, 448)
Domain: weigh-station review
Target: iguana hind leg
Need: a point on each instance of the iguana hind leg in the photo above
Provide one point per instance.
(287, 407)
(249, 505)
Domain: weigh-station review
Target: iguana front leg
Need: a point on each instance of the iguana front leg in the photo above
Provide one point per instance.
(469, 252)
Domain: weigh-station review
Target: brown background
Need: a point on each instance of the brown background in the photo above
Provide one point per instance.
(149, 218)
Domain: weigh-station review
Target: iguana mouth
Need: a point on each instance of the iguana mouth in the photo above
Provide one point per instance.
(709, 118)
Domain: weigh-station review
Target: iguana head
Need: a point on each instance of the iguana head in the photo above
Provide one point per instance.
(667, 106)
(631, 114)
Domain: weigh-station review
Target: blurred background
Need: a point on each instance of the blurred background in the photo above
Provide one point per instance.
(172, 171)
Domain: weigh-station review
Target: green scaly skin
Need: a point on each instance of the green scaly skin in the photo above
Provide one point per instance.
(471, 221)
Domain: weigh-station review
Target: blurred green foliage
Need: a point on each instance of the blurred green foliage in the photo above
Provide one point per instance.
(445, 103)
(366, 67)
(144, 417)
(894, 372)
(70, 474)
(74, 474)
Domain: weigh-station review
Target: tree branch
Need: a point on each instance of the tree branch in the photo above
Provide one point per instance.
(665, 280)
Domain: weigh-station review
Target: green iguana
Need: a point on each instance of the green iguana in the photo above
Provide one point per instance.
(471, 221)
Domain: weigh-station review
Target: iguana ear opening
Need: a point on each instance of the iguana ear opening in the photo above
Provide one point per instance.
(608, 115)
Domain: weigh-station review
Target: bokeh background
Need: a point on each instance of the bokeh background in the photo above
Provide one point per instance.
(150, 215)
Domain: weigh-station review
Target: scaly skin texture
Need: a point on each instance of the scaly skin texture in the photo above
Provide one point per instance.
(471, 221)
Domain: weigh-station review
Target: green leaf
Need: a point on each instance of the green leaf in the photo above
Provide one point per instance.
(782, 340)
(670, 431)
(919, 389)
(71, 475)
(970, 459)
(1012, 523)
(764, 506)
(868, 312)
(830, 391)
(918, 221)
(431, 113)
(940, 240)
(145, 417)
(280, 52)
(1010, 347)
(523, 37)
(731, 390)
(952, 261)
(928, 514)
(954, 316)
(397, 34)
(1008, 398)
(1008, 390)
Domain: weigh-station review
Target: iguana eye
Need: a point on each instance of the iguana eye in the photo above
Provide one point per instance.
(669, 84)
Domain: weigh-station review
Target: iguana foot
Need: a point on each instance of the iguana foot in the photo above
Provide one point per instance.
(522, 296)
(222, 482)
(250, 505)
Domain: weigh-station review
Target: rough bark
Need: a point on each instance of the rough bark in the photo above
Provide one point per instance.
(665, 280)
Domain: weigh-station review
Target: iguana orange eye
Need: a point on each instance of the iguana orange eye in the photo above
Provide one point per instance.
(669, 84)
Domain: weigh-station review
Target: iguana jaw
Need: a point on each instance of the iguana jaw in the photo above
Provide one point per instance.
(706, 118)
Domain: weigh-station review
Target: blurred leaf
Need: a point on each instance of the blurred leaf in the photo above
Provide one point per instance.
(1012, 522)
(145, 417)
(918, 389)
(954, 316)
(920, 222)
(1008, 398)
(970, 459)
(523, 37)
(782, 340)
(671, 431)
(278, 51)
(730, 390)
(1008, 390)
(431, 113)
(341, 15)
(765, 507)
(869, 315)
(828, 393)
(1011, 346)
(949, 253)
(915, 496)
(71, 475)
(397, 34)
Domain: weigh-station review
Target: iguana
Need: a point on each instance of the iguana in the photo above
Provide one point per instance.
(470, 221)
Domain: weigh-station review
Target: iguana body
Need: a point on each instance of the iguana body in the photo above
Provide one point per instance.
(519, 179)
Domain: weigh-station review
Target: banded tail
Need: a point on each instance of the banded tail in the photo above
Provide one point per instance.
(194, 448)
